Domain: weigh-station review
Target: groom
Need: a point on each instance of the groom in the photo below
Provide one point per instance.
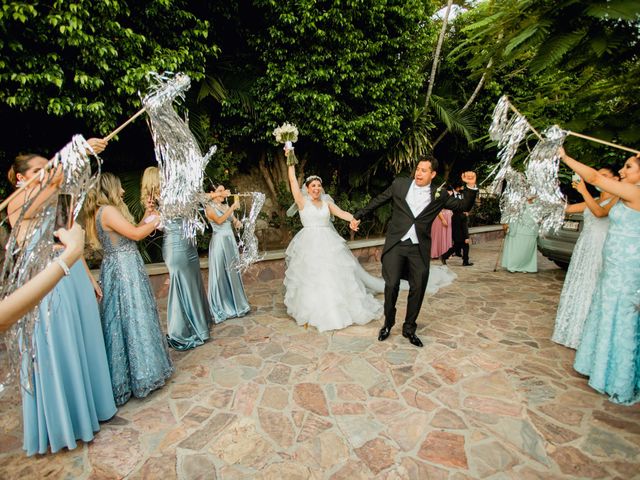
(407, 246)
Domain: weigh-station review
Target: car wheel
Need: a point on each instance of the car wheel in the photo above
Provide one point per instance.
(562, 265)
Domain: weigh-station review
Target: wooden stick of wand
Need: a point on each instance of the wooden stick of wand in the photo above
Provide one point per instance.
(8, 200)
(604, 142)
(117, 130)
(515, 110)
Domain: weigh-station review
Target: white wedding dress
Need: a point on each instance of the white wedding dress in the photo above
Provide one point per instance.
(326, 286)
(322, 281)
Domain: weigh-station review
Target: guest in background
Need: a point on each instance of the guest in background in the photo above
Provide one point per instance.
(520, 252)
(227, 298)
(459, 233)
(586, 262)
(136, 348)
(441, 231)
(609, 351)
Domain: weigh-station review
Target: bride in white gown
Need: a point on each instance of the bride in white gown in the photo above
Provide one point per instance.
(325, 285)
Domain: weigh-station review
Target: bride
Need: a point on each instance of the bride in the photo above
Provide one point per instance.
(325, 285)
(322, 288)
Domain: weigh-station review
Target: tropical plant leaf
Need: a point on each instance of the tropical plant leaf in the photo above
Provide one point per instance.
(614, 9)
(552, 51)
(458, 122)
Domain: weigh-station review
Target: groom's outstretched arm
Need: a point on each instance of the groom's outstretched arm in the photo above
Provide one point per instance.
(381, 199)
(465, 203)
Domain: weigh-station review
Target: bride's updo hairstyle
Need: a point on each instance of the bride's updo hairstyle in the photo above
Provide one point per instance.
(311, 178)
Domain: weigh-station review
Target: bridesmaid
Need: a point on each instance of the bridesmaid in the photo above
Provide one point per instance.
(188, 315)
(586, 263)
(227, 298)
(520, 244)
(137, 351)
(71, 384)
(609, 352)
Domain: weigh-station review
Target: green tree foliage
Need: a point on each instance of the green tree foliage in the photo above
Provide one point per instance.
(569, 62)
(346, 72)
(88, 59)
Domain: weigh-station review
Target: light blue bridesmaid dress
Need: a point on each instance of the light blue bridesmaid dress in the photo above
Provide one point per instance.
(227, 298)
(609, 352)
(188, 313)
(71, 383)
(520, 245)
(136, 348)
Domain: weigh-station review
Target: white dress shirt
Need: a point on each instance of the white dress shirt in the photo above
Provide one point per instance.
(417, 198)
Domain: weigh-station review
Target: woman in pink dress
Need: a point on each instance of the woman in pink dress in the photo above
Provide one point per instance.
(441, 234)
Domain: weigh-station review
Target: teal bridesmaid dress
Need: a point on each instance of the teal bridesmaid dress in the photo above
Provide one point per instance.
(227, 298)
(609, 352)
(188, 313)
(71, 386)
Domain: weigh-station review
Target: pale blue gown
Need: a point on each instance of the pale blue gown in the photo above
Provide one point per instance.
(227, 298)
(581, 279)
(136, 348)
(188, 313)
(609, 352)
(520, 245)
(71, 386)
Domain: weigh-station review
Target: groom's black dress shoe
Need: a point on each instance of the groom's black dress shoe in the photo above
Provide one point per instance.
(413, 339)
(384, 334)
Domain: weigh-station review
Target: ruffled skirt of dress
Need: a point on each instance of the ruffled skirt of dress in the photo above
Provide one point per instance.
(322, 287)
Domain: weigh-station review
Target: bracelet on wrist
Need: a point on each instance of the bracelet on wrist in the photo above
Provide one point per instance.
(63, 266)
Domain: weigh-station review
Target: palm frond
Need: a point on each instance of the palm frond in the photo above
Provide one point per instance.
(456, 121)
(415, 140)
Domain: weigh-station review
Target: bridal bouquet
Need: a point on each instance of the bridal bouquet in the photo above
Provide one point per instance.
(287, 134)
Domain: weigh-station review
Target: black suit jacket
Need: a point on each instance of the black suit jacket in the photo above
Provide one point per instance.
(402, 217)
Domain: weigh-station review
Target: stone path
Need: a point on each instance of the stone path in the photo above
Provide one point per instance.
(489, 396)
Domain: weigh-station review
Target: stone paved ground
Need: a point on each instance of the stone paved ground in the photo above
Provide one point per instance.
(488, 397)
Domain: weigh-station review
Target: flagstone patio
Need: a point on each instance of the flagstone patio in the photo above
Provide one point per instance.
(489, 396)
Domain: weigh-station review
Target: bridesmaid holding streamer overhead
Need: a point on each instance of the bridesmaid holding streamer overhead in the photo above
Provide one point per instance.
(227, 298)
(188, 314)
(586, 263)
(136, 349)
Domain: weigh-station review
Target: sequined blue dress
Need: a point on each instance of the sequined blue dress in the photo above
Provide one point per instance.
(71, 390)
(188, 313)
(136, 348)
(227, 298)
(609, 352)
(581, 279)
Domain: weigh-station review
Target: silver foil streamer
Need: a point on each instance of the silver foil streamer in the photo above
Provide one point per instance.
(179, 157)
(514, 196)
(248, 244)
(542, 176)
(508, 131)
(29, 249)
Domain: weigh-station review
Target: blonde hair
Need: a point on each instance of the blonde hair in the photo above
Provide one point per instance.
(150, 185)
(105, 192)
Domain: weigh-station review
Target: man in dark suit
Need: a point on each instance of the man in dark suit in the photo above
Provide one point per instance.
(407, 245)
(459, 234)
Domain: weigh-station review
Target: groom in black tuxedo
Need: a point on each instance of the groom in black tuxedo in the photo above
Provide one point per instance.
(407, 246)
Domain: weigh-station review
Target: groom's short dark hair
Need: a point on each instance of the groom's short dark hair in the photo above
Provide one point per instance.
(431, 159)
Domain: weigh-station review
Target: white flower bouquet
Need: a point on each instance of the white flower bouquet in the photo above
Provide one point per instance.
(287, 133)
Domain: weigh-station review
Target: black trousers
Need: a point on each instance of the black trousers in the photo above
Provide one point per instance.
(457, 247)
(404, 257)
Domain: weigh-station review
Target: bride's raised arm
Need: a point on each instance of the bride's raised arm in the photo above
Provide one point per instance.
(293, 183)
